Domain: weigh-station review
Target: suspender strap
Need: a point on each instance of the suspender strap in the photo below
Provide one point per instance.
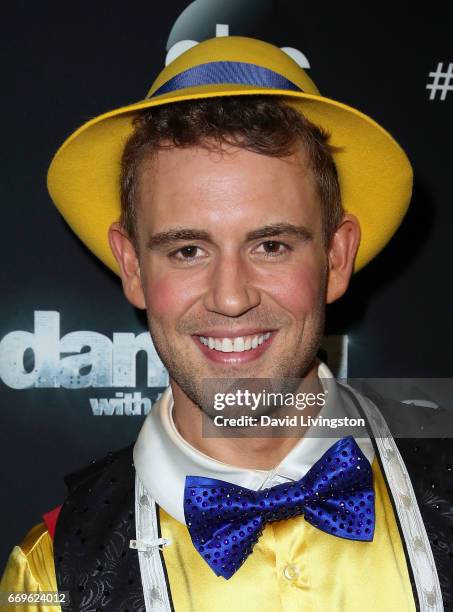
(411, 525)
(149, 545)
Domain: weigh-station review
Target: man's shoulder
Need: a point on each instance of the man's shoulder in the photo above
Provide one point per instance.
(422, 436)
(95, 526)
(35, 538)
(99, 494)
(120, 460)
(406, 419)
(420, 433)
(30, 566)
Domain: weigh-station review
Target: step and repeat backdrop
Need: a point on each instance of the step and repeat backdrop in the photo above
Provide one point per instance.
(78, 371)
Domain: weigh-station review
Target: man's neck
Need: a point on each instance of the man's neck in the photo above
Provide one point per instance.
(262, 453)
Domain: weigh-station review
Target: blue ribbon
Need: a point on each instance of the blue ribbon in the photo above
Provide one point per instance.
(220, 73)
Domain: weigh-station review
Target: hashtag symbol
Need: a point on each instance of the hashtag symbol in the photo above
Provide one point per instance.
(441, 81)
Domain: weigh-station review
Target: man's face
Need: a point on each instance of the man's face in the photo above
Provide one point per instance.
(232, 262)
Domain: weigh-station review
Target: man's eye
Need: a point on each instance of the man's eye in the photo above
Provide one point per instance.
(273, 248)
(187, 253)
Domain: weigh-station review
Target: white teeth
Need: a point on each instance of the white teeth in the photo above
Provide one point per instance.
(234, 345)
(227, 345)
(238, 345)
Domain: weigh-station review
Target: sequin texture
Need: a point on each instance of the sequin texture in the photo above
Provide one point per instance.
(336, 495)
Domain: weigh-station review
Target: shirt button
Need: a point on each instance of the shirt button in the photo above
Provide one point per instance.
(291, 572)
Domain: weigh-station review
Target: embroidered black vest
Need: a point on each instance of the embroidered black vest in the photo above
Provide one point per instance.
(93, 560)
(94, 563)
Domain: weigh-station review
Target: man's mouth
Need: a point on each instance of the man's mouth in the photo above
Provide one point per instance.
(239, 344)
(235, 349)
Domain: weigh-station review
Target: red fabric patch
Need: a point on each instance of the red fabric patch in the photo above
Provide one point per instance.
(50, 519)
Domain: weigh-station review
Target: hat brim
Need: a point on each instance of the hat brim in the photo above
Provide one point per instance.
(374, 172)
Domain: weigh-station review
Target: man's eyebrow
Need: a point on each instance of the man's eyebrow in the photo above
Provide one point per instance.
(277, 229)
(163, 239)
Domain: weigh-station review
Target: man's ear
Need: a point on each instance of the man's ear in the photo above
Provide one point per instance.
(341, 254)
(125, 255)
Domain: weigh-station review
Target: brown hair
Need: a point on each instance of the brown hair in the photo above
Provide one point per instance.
(262, 124)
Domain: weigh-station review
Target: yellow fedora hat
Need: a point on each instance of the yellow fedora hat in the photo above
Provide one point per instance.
(374, 172)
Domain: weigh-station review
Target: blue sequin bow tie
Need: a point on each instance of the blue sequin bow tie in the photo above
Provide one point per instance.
(336, 495)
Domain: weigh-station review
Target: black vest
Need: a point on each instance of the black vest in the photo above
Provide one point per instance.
(94, 563)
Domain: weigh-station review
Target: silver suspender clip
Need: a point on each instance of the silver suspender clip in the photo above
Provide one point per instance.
(149, 545)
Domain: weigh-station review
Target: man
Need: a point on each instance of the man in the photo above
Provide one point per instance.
(233, 219)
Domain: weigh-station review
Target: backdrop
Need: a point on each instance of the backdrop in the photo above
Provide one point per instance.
(77, 369)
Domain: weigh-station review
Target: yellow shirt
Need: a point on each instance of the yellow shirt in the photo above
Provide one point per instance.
(31, 568)
(293, 567)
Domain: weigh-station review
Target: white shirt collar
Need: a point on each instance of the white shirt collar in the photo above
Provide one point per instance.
(163, 458)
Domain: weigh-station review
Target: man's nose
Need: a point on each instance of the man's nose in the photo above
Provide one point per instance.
(231, 291)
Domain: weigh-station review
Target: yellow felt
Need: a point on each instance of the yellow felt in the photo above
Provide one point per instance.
(238, 49)
(330, 573)
(375, 174)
